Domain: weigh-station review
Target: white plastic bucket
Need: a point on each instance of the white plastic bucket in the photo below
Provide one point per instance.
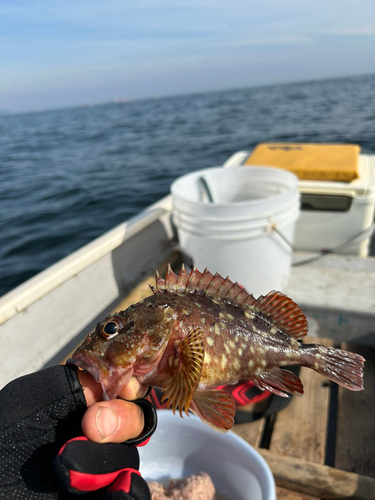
(238, 233)
(184, 446)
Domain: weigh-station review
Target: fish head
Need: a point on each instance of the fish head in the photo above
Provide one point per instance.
(122, 345)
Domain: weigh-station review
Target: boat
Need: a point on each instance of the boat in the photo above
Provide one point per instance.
(45, 318)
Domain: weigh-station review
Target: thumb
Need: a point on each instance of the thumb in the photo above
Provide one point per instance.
(113, 421)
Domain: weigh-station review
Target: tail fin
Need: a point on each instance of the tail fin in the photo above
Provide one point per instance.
(343, 367)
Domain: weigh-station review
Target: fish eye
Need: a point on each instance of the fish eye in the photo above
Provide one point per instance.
(110, 329)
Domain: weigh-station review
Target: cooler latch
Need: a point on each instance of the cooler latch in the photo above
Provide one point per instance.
(325, 202)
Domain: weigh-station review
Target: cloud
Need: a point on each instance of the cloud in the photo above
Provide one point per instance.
(71, 45)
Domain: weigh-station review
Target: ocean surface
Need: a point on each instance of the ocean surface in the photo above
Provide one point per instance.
(69, 175)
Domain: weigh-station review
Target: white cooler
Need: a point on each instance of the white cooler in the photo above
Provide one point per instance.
(335, 212)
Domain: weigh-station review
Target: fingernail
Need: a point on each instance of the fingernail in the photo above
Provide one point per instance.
(107, 421)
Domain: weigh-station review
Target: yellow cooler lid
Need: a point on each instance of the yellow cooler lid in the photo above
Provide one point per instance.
(320, 162)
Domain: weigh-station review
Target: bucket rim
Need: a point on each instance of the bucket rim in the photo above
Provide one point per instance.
(256, 228)
(278, 196)
(293, 204)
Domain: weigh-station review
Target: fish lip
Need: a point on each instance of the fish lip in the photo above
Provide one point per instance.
(112, 380)
(91, 364)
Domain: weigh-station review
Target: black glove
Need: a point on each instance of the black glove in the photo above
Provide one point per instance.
(39, 414)
(110, 468)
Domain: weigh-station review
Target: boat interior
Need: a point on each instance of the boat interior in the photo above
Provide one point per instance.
(328, 431)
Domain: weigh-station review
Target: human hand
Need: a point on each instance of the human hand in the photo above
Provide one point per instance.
(105, 462)
(41, 412)
(112, 421)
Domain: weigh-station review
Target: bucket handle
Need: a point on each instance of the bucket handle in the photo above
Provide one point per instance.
(206, 191)
(283, 237)
(326, 251)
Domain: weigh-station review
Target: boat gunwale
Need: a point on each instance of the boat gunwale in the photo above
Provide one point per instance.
(26, 294)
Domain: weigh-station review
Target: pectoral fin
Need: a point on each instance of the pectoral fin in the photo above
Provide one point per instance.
(188, 367)
(215, 408)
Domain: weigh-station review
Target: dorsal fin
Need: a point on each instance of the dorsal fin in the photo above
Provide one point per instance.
(282, 312)
(206, 284)
(276, 307)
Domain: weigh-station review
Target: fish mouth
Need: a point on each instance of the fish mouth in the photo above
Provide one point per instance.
(92, 364)
(112, 379)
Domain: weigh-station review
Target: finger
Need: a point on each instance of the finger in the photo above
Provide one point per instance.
(113, 421)
(93, 391)
(134, 390)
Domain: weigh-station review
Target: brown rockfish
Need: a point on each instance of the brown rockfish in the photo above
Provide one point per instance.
(199, 331)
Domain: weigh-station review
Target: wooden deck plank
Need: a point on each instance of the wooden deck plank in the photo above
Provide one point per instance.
(285, 494)
(318, 480)
(250, 432)
(300, 429)
(355, 446)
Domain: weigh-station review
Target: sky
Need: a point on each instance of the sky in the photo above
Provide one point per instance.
(66, 53)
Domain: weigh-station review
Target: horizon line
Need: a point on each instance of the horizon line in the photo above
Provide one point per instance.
(124, 100)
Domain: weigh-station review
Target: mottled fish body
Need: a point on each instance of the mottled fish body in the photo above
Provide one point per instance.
(199, 331)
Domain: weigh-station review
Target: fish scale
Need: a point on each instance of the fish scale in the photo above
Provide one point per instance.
(227, 331)
(199, 331)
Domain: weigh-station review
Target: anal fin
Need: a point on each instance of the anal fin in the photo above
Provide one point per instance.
(215, 408)
(277, 381)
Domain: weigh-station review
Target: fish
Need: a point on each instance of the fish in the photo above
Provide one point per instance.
(198, 331)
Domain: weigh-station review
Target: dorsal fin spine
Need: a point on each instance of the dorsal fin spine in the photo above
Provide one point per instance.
(158, 280)
(221, 288)
(230, 290)
(210, 283)
(201, 279)
(240, 297)
(167, 275)
(281, 312)
(181, 278)
(264, 301)
(275, 306)
(192, 273)
(250, 300)
(187, 282)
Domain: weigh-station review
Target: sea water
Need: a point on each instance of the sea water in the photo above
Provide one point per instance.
(69, 175)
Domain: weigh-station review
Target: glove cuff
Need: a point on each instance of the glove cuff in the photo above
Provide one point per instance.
(83, 465)
(151, 420)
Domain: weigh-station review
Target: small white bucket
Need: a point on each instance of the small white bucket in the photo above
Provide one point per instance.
(235, 221)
